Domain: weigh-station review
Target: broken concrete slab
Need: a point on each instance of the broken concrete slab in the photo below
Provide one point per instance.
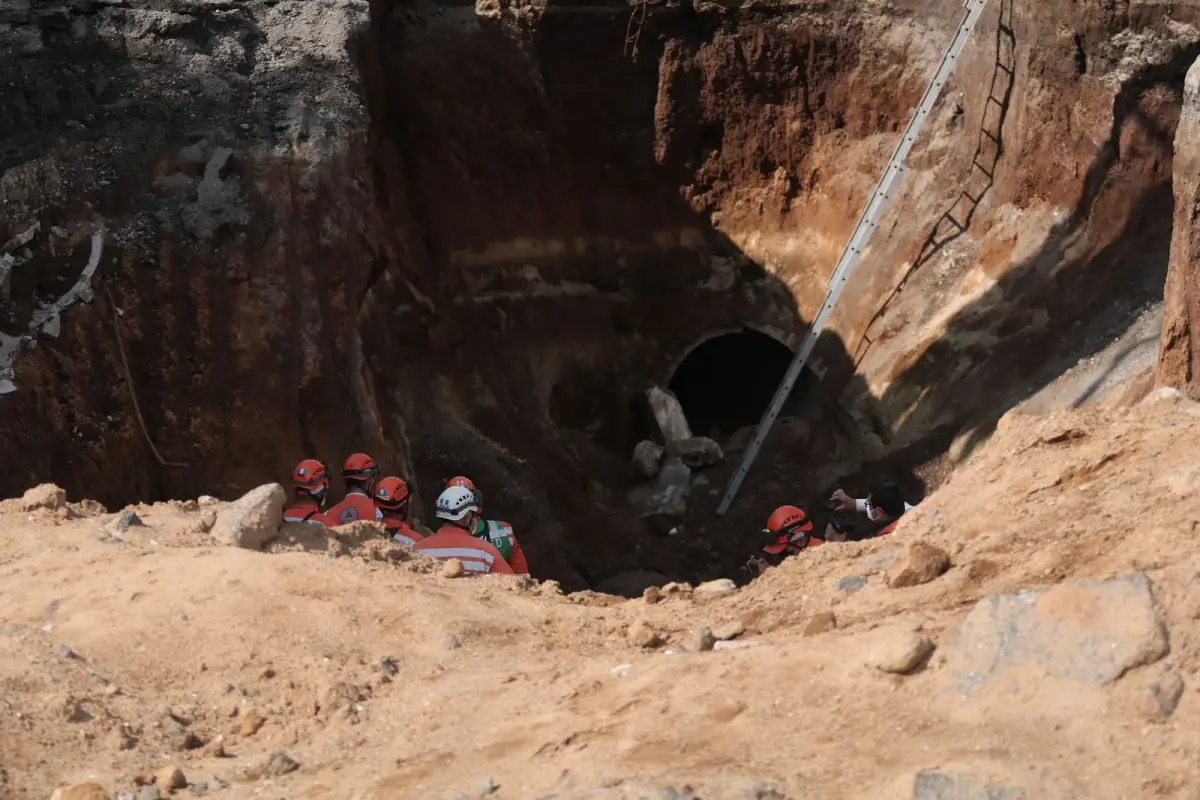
(1084, 632)
(647, 457)
(668, 413)
(698, 451)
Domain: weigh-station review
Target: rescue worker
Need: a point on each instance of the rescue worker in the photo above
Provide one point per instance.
(392, 496)
(458, 509)
(310, 482)
(499, 534)
(788, 531)
(883, 504)
(360, 473)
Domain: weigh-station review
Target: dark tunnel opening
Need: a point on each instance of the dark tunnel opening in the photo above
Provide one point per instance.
(726, 383)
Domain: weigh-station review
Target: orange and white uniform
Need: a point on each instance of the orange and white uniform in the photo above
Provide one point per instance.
(477, 556)
(400, 530)
(356, 506)
(303, 509)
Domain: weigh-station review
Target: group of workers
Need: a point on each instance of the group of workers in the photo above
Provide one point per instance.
(789, 530)
(481, 545)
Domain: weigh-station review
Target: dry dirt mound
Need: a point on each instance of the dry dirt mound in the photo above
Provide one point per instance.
(1029, 631)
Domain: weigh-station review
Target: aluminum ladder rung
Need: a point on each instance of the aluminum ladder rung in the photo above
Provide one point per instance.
(857, 244)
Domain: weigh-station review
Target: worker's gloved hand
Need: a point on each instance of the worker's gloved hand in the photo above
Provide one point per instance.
(845, 502)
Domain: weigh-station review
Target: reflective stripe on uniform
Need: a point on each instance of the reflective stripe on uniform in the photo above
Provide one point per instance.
(460, 553)
(401, 539)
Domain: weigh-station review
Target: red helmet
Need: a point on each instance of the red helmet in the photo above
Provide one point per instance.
(787, 525)
(360, 467)
(466, 483)
(392, 494)
(311, 475)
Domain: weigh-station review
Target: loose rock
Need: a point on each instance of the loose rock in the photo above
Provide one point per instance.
(124, 521)
(253, 520)
(922, 563)
(149, 793)
(453, 568)
(46, 495)
(1085, 632)
(170, 778)
(668, 413)
(647, 457)
(899, 652)
(451, 642)
(652, 595)
(719, 586)
(279, 764)
(729, 630)
(703, 640)
(698, 451)
(641, 634)
(820, 623)
(252, 722)
(943, 786)
(1162, 695)
(81, 791)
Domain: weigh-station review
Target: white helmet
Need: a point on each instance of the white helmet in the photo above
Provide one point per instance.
(455, 503)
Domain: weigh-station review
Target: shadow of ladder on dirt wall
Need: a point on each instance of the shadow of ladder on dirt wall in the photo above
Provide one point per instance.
(956, 219)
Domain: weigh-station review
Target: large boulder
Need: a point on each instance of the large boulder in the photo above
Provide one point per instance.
(698, 451)
(647, 457)
(253, 520)
(668, 413)
(1082, 632)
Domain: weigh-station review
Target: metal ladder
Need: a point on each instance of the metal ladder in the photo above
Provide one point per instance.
(857, 244)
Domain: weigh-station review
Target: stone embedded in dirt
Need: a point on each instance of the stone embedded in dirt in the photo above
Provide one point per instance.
(651, 595)
(703, 640)
(922, 563)
(252, 520)
(1086, 632)
(729, 630)
(278, 764)
(1163, 394)
(252, 722)
(81, 791)
(944, 786)
(124, 521)
(453, 568)
(207, 500)
(170, 778)
(642, 634)
(215, 748)
(73, 711)
(46, 495)
(149, 793)
(1161, 697)
(719, 586)
(696, 452)
(647, 457)
(850, 584)
(899, 652)
(487, 786)
(451, 642)
(820, 622)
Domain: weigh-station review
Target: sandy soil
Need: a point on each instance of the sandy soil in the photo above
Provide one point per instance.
(120, 655)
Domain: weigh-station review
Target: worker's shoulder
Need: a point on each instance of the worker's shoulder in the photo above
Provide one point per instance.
(500, 526)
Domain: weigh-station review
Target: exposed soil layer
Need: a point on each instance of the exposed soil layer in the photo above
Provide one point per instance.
(466, 239)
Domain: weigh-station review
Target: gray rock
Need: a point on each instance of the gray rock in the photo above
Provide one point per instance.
(124, 521)
(703, 640)
(149, 793)
(698, 451)
(1085, 632)
(647, 457)
(1164, 695)
(668, 413)
(850, 584)
(944, 786)
(451, 642)
(487, 786)
(279, 764)
(667, 496)
(253, 520)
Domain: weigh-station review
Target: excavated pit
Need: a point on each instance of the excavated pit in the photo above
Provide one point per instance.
(468, 239)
